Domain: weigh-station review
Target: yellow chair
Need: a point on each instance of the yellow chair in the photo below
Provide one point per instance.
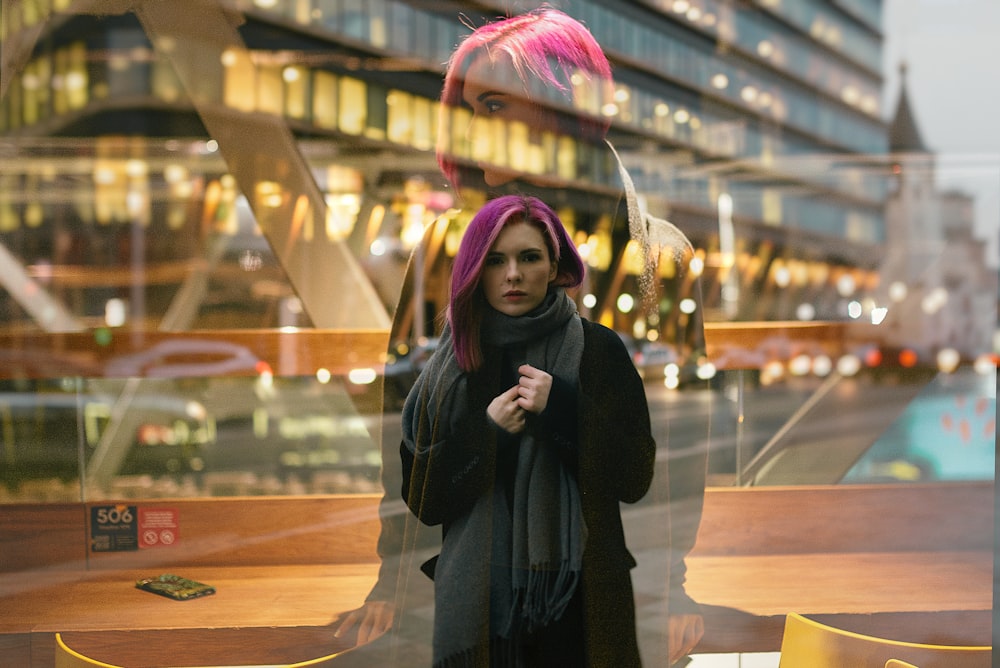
(66, 657)
(809, 644)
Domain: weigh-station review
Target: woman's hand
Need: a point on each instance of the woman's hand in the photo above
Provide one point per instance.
(533, 389)
(372, 619)
(505, 411)
(685, 632)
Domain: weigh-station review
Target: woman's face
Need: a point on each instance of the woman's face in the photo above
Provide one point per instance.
(518, 270)
(492, 91)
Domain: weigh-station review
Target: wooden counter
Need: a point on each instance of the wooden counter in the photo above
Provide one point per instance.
(910, 562)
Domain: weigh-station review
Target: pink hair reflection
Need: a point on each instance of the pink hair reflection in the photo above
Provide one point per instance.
(467, 301)
(546, 47)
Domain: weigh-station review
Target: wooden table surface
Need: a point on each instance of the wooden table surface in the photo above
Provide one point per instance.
(258, 615)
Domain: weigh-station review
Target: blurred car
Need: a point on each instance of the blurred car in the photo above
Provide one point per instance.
(402, 370)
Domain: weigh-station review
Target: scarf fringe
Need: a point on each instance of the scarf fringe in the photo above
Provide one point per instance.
(543, 600)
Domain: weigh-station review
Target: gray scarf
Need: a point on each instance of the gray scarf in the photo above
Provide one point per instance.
(523, 567)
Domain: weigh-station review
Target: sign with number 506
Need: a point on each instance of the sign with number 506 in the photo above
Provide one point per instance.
(113, 528)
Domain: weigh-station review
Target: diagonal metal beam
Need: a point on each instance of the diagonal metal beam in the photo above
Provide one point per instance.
(260, 150)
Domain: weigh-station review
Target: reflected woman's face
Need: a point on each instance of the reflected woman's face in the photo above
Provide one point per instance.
(517, 270)
(492, 90)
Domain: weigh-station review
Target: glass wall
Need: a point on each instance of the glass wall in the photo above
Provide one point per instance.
(226, 247)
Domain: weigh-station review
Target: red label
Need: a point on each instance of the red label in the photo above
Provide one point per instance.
(158, 527)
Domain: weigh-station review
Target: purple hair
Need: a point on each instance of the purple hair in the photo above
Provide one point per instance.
(546, 48)
(467, 302)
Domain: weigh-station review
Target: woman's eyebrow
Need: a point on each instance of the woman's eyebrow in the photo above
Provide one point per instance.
(490, 93)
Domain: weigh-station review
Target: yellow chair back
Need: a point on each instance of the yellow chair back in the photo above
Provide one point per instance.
(66, 657)
(810, 644)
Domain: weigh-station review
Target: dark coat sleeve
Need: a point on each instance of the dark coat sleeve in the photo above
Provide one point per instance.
(618, 447)
(454, 461)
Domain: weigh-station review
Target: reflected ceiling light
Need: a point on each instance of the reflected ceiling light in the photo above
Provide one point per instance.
(291, 74)
(136, 168)
(589, 300)
(228, 58)
(75, 81)
(114, 312)
(948, 359)
(622, 95)
(195, 410)
(266, 4)
(682, 116)
(878, 315)
(681, 6)
(848, 365)
(104, 176)
(846, 285)
(362, 376)
(782, 276)
(693, 14)
(854, 309)
(688, 305)
(771, 372)
(897, 291)
(323, 376)
(749, 94)
(696, 266)
(377, 248)
(174, 173)
(661, 109)
(800, 365)
(805, 312)
(822, 365)
(625, 303)
(985, 364)
(706, 371)
(850, 95)
(610, 109)
(765, 48)
(934, 301)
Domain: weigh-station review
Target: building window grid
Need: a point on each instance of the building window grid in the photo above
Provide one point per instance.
(814, 18)
(682, 132)
(685, 61)
(696, 66)
(350, 118)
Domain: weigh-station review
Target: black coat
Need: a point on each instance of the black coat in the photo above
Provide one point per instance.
(609, 444)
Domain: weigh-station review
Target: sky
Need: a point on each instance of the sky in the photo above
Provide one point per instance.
(952, 52)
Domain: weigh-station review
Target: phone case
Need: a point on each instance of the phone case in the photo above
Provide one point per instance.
(175, 587)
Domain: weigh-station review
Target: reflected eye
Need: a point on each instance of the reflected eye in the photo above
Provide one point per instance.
(533, 256)
(494, 261)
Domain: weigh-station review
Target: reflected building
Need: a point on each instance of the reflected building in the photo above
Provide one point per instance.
(937, 288)
(755, 127)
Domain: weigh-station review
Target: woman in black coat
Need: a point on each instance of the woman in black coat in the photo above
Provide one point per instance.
(523, 434)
